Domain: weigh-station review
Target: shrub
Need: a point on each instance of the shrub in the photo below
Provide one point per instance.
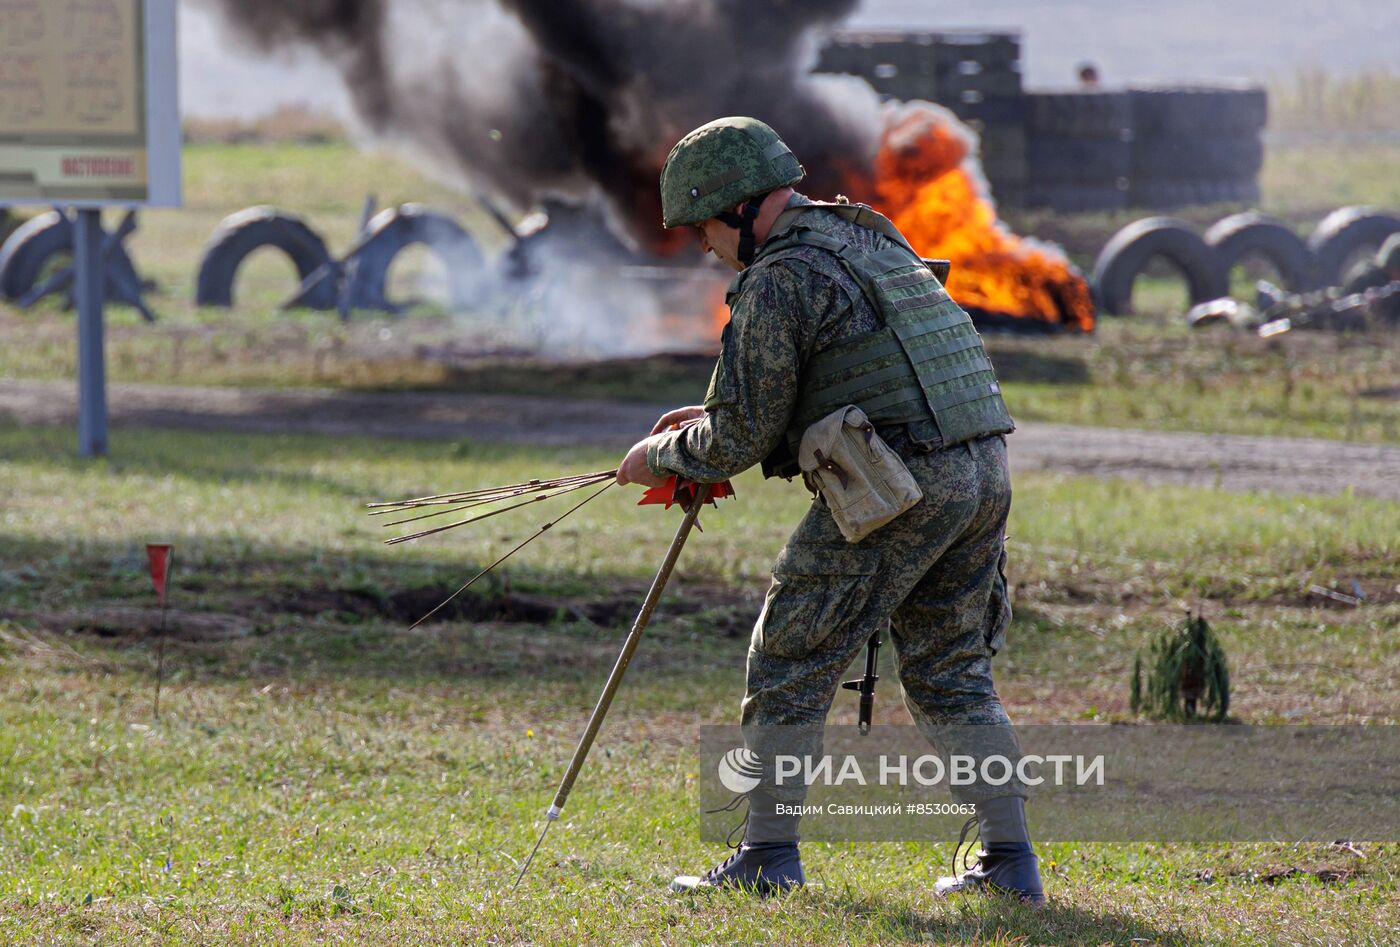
(1188, 677)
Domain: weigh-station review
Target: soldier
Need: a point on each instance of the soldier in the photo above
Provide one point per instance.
(813, 312)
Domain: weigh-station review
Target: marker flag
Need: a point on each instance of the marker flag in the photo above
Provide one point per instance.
(677, 490)
(159, 554)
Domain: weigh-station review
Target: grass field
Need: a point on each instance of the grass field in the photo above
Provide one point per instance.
(320, 772)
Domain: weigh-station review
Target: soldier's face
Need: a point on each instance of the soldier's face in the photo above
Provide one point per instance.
(722, 240)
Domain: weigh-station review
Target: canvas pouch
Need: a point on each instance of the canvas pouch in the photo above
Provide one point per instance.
(865, 484)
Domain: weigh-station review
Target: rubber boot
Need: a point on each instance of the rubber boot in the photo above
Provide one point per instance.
(1007, 863)
(766, 862)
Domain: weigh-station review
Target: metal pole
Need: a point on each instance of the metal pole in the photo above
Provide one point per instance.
(92, 365)
(160, 658)
(634, 638)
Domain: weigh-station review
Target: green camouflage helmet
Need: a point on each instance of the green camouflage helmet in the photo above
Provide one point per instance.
(1388, 258)
(720, 165)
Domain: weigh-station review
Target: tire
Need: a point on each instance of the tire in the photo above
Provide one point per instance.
(1209, 157)
(1103, 115)
(398, 227)
(1166, 195)
(1005, 145)
(1240, 235)
(1173, 113)
(1127, 253)
(1004, 110)
(34, 244)
(240, 234)
(1077, 161)
(1343, 233)
(1076, 198)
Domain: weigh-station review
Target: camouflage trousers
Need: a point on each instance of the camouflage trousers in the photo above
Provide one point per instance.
(935, 576)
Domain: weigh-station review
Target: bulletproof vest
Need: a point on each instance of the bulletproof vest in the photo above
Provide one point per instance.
(925, 363)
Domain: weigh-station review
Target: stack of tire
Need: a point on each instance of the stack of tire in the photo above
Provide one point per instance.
(1079, 150)
(1000, 124)
(952, 69)
(1196, 146)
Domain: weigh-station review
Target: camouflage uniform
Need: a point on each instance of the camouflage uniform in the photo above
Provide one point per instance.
(935, 573)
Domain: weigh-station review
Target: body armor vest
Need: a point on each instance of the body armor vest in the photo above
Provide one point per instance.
(925, 363)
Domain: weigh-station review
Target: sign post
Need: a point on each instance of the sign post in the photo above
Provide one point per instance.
(90, 118)
(92, 361)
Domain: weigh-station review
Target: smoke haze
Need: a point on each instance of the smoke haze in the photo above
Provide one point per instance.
(537, 97)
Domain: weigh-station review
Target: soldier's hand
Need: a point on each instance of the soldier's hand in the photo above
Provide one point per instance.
(634, 469)
(678, 417)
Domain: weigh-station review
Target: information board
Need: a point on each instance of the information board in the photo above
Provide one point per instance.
(89, 114)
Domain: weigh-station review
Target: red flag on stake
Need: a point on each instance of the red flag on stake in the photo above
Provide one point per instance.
(159, 554)
(678, 490)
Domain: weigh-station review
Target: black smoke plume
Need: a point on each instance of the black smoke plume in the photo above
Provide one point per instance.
(530, 98)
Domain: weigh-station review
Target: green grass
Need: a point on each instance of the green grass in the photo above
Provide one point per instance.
(324, 772)
(1301, 180)
(1138, 375)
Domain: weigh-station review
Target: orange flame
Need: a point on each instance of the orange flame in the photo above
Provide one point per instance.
(925, 181)
(718, 307)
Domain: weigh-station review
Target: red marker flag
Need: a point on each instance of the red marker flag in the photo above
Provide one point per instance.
(159, 554)
(676, 490)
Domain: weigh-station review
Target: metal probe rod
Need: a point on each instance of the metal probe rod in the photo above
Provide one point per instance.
(519, 546)
(629, 647)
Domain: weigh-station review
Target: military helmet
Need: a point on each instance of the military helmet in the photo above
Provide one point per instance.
(720, 165)
(1388, 257)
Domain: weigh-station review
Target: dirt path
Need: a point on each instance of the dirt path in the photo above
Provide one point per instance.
(1299, 465)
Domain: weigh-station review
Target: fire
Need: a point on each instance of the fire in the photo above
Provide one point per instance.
(718, 307)
(924, 180)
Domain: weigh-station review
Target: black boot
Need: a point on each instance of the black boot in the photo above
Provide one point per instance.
(767, 860)
(761, 869)
(1007, 864)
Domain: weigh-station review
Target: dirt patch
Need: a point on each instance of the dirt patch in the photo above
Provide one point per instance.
(125, 622)
(726, 609)
(1279, 464)
(1343, 596)
(413, 604)
(724, 612)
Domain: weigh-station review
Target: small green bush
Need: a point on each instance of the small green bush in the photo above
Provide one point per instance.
(1189, 678)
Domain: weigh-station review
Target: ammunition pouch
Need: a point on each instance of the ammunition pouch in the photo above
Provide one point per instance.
(864, 483)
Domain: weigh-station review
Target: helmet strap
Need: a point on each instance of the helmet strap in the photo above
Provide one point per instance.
(744, 222)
